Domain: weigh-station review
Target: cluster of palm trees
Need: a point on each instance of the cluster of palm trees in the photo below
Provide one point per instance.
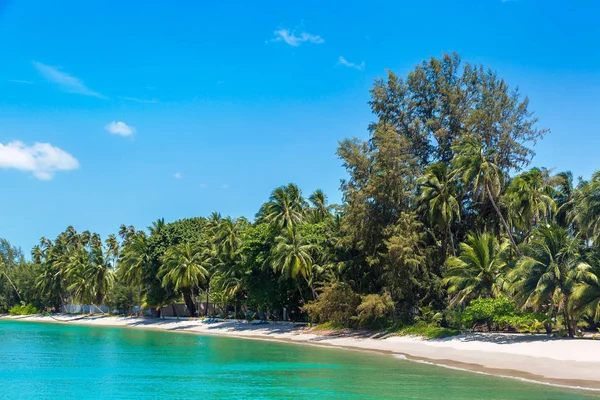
(76, 267)
(544, 257)
(187, 259)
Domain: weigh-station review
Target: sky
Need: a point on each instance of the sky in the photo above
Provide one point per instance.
(118, 112)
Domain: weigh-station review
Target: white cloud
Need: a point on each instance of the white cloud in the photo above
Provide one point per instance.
(284, 35)
(65, 81)
(120, 128)
(41, 159)
(178, 175)
(224, 186)
(21, 81)
(343, 61)
(135, 99)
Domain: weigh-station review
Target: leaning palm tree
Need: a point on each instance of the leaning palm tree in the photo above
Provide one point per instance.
(530, 199)
(546, 277)
(478, 271)
(586, 295)
(477, 167)
(292, 257)
(183, 269)
(438, 200)
(135, 259)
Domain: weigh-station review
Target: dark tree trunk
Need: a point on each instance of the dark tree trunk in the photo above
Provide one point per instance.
(189, 302)
(207, 294)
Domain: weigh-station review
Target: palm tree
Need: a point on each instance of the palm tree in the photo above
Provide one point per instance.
(113, 247)
(438, 199)
(586, 211)
(135, 260)
(477, 167)
(285, 207)
(183, 268)
(586, 295)
(320, 210)
(548, 274)
(531, 199)
(564, 192)
(99, 274)
(157, 226)
(228, 236)
(292, 256)
(478, 271)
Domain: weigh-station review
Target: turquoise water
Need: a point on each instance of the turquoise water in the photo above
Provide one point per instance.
(50, 361)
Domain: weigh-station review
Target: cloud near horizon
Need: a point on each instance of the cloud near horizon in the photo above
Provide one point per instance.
(66, 82)
(343, 61)
(136, 100)
(284, 35)
(120, 128)
(42, 159)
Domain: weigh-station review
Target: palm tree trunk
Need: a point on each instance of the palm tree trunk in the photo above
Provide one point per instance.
(189, 302)
(566, 316)
(207, 294)
(510, 237)
(13, 285)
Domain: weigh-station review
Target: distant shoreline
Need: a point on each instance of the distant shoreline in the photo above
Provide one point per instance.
(535, 358)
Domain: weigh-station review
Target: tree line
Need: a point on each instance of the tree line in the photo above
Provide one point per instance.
(440, 210)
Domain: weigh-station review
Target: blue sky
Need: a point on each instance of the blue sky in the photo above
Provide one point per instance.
(213, 104)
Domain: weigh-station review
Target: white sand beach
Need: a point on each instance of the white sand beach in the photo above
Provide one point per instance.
(569, 362)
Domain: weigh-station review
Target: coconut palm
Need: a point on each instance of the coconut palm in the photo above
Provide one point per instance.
(545, 278)
(292, 257)
(135, 259)
(99, 274)
(478, 271)
(586, 295)
(530, 199)
(228, 237)
(183, 267)
(586, 211)
(438, 200)
(157, 226)
(477, 167)
(319, 211)
(564, 192)
(285, 207)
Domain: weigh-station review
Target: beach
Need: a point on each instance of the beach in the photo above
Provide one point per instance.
(539, 358)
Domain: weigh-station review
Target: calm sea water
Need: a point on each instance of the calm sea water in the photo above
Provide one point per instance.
(48, 361)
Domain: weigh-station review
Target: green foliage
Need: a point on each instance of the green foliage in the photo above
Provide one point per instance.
(336, 304)
(29, 309)
(428, 331)
(375, 311)
(431, 222)
(491, 311)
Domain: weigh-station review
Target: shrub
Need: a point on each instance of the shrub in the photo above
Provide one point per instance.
(375, 311)
(336, 304)
(428, 331)
(29, 309)
(491, 311)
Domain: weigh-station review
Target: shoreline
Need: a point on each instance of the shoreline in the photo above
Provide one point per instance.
(538, 359)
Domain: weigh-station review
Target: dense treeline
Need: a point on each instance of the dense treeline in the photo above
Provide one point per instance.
(439, 211)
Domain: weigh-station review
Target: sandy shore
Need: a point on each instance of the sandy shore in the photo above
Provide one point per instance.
(569, 362)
